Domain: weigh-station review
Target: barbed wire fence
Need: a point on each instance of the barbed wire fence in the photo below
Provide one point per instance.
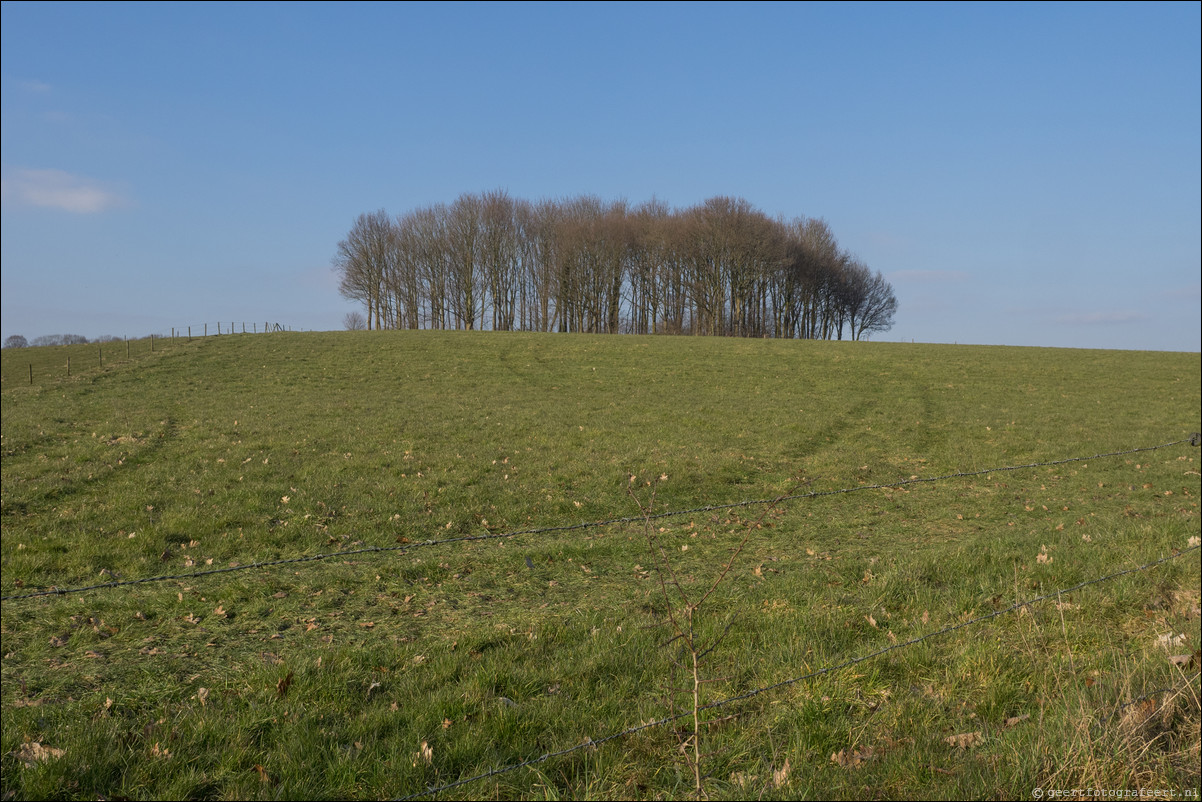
(66, 354)
(594, 743)
(1194, 440)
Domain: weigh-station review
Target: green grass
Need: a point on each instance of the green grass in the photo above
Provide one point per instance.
(323, 679)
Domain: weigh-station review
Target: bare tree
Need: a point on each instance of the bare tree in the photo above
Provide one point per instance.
(879, 307)
(354, 321)
(16, 341)
(463, 243)
(362, 263)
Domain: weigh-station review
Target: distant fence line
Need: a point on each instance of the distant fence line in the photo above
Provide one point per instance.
(80, 346)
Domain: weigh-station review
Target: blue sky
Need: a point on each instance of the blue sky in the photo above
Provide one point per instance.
(1023, 174)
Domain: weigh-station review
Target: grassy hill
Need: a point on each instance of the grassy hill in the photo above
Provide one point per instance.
(369, 662)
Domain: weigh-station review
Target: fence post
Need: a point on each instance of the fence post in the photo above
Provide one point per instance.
(31, 373)
(218, 328)
(206, 329)
(127, 346)
(100, 352)
(68, 366)
(152, 343)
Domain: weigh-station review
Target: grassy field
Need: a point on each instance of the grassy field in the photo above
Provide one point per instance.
(387, 664)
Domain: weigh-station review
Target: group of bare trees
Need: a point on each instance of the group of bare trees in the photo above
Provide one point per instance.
(490, 261)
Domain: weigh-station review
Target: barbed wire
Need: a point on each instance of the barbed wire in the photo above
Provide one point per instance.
(813, 674)
(56, 591)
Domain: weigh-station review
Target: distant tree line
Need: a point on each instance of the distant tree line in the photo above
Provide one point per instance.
(18, 341)
(723, 267)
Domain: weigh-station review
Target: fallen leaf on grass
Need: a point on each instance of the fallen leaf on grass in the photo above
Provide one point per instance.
(27, 703)
(779, 778)
(281, 687)
(201, 695)
(157, 751)
(36, 752)
(1013, 720)
(264, 777)
(853, 758)
(743, 780)
(1186, 660)
(965, 740)
(1169, 640)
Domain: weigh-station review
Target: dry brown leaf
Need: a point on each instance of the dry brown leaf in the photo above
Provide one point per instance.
(202, 694)
(965, 740)
(779, 778)
(1013, 720)
(853, 758)
(1184, 660)
(871, 621)
(36, 752)
(281, 687)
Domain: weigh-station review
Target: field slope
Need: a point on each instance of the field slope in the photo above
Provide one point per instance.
(383, 562)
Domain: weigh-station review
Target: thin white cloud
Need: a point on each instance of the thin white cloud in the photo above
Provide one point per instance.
(927, 276)
(57, 189)
(36, 87)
